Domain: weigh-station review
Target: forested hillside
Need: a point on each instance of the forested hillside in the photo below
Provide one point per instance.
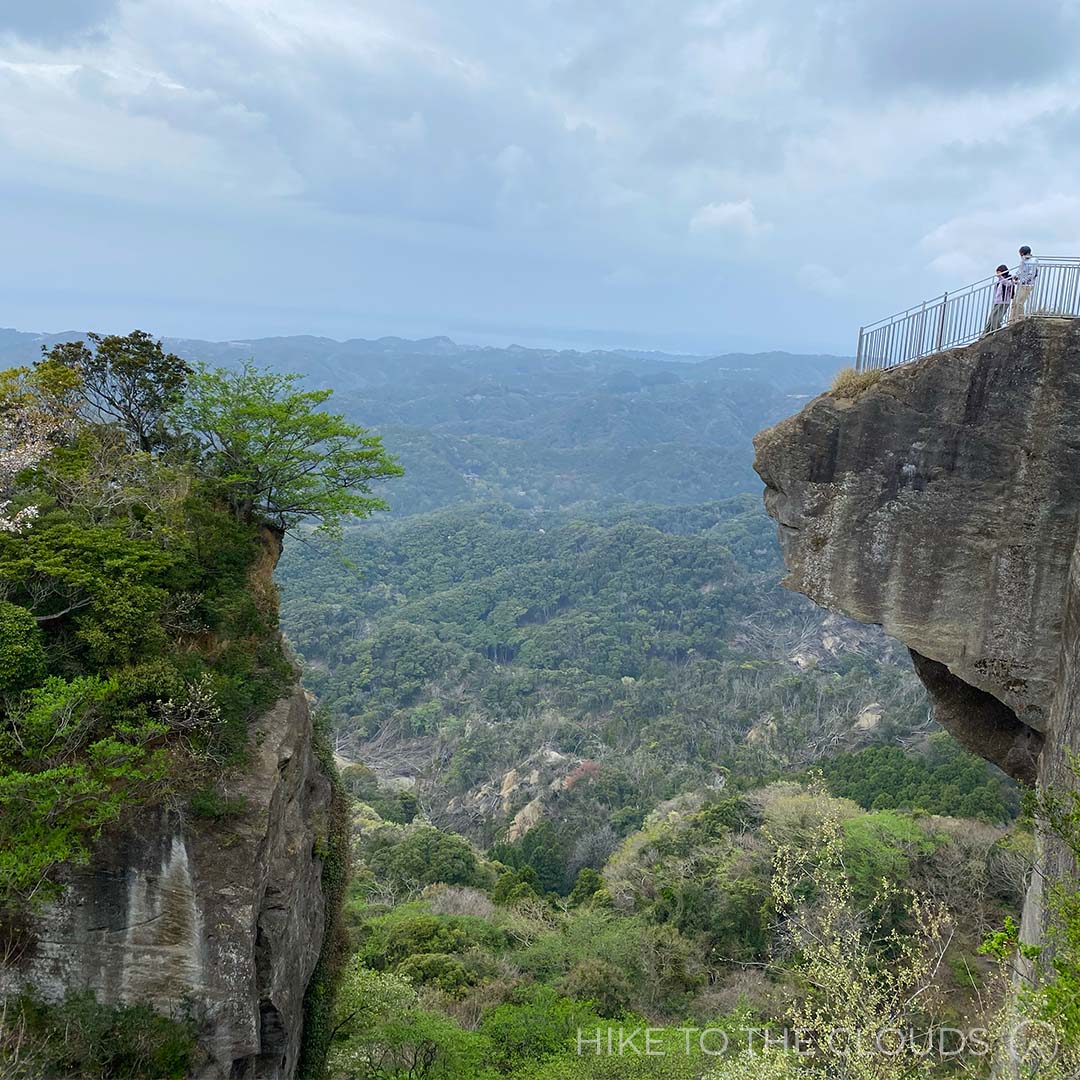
(650, 650)
(599, 758)
(603, 769)
(534, 427)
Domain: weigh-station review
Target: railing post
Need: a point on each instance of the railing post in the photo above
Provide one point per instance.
(858, 354)
(941, 323)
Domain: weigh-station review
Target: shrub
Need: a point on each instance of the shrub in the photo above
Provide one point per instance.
(427, 856)
(848, 383)
(387, 940)
(440, 970)
(81, 1037)
(599, 982)
(22, 654)
(381, 1033)
(537, 1024)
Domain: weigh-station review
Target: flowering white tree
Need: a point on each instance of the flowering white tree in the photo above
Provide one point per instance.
(31, 425)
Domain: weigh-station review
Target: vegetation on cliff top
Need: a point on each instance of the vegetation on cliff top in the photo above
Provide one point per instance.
(137, 496)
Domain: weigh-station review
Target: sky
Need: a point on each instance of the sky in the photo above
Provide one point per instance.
(673, 174)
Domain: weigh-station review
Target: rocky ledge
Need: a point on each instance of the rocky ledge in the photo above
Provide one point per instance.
(943, 503)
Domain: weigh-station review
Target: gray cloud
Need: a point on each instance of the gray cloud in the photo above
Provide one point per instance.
(634, 163)
(53, 21)
(963, 44)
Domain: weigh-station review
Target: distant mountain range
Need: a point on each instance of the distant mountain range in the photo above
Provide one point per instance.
(537, 428)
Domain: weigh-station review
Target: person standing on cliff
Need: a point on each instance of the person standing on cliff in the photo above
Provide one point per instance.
(1004, 289)
(1025, 275)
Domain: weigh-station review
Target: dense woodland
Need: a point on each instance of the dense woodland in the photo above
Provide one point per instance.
(595, 743)
(652, 647)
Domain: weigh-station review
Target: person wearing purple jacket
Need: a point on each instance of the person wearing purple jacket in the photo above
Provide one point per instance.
(1000, 299)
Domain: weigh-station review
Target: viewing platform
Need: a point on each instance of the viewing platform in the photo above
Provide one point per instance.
(959, 318)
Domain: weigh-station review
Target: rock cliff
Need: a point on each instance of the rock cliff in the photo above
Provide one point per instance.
(943, 503)
(224, 919)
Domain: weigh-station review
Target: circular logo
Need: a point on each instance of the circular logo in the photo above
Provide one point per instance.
(1033, 1042)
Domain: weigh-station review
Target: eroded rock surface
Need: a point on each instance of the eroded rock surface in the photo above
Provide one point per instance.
(943, 503)
(223, 918)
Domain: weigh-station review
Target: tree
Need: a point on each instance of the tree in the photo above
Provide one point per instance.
(22, 655)
(277, 456)
(860, 989)
(130, 381)
(381, 1033)
(426, 856)
(35, 415)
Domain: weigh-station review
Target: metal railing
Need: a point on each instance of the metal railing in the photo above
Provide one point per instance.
(959, 318)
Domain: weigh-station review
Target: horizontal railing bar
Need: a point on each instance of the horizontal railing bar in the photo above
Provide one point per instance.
(958, 318)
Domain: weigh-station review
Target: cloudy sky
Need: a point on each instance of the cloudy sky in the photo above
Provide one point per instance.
(675, 174)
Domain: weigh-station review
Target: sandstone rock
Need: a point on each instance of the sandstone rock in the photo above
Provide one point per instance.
(525, 819)
(943, 503)
(226, 918)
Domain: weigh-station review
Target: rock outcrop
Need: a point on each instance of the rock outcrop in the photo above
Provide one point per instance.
(225, 919)
(221, 919)
(943, 503)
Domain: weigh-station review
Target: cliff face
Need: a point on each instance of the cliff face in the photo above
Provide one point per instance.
(943, 503)
(225, 918)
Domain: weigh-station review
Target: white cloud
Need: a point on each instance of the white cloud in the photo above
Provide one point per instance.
(734, 217)
(972, 244)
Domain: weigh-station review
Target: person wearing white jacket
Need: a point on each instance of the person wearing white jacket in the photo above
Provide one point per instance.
(1026, 274)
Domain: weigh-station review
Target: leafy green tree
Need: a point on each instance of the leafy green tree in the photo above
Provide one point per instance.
(22, 654)
(388, 940)
(276, 455)
(587, 884)
(382, 1033)
(427, 856)
(536, 1025)
(129, 380)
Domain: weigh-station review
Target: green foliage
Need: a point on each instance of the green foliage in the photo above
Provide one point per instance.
(653, 640)
(382, 1033)
(388, 940)
(946, 780)
(879, 848)
(587, 884)
(359, 782)
(536, 1025)
(440, 970)
(856, 976)
(426, 856)
(138, 618)
(512, 886)
(64, 775)
(128, 381)
(660, 966)
(543, 851)
(22, 652)
(276, 456)
(80, 1037)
